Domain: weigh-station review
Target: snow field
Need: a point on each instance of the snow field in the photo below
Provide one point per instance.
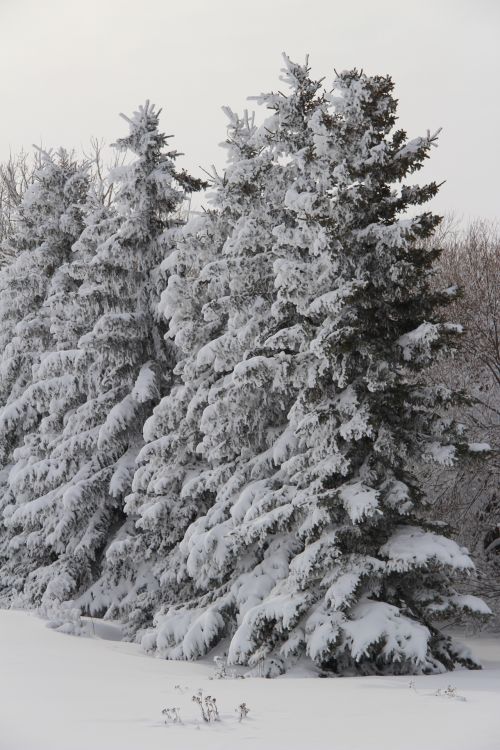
(59, 692)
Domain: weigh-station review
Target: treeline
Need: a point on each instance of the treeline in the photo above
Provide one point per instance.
(223, 429)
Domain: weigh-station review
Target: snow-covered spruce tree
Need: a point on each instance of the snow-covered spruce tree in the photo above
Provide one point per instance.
(219, 306)
(158, 508)
(327, 552)
(70, 478)
(47, 222)
(221, 255)
(52, 452)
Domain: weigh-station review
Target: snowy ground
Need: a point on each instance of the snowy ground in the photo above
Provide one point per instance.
(59, 692)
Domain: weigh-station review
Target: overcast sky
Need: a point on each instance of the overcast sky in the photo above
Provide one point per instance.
(69, 67)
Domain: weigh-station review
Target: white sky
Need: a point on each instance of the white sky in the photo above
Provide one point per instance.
(68, 67)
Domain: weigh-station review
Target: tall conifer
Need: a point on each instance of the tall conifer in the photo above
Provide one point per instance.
(318, 543)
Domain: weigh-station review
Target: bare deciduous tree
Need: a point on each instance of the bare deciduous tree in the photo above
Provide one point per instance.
(471, 260)
(101, 168)
(469, 498)
(16, 174)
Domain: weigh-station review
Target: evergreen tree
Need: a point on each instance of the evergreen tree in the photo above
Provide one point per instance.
(61, 442)
(70, 478)
(317, 541)
(219, 306)
(158, 510)
(217, 300)
(47, 222)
